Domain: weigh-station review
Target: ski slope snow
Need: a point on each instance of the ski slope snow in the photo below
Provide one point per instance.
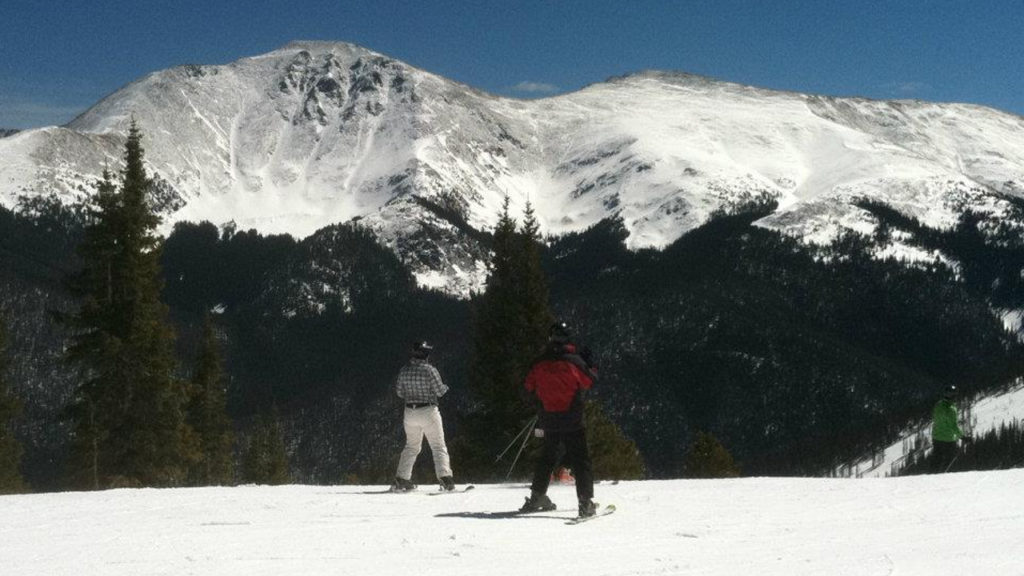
(952, 524)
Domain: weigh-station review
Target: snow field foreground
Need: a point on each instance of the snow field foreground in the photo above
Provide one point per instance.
(967, 524)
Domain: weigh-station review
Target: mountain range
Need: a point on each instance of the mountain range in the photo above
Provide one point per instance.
(318, 133)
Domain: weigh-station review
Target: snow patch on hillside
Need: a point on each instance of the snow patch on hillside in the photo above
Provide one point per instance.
(977, 418)
(1013, 320)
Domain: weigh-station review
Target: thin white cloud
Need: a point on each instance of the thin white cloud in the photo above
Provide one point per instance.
(17, 114)
(534, 87)
(33, 104)
(908, 88)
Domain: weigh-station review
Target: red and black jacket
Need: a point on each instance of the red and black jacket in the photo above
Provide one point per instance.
(558, 380)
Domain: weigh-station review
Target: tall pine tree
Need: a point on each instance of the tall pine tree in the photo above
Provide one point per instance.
(510, 330)
(265, 460)
(128, 413)
(511, 324)
(10, 449)
(207, 414)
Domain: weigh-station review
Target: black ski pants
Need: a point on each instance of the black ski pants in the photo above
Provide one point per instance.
(943, 454)
(577, 458)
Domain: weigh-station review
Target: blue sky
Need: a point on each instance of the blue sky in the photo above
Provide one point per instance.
(58, 57)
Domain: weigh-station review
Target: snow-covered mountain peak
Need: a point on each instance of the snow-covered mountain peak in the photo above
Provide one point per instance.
(677, 78)
(316, 133)
(322, 46)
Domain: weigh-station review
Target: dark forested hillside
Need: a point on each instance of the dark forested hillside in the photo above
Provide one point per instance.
(317, 328)
(794, 358)
(990, 253)
(36, 253)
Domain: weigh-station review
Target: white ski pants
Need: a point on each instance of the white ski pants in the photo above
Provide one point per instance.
(420, 422)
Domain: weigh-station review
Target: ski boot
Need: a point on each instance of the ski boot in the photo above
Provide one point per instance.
(537, 502)
(402, 485)
(587, 508)
(447, 483)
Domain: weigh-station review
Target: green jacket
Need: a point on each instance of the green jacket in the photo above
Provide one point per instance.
(944, 426)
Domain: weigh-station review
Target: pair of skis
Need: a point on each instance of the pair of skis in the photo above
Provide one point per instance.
(462, 490)
(603, 511)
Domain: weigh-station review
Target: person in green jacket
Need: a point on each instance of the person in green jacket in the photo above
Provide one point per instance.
(945, 431)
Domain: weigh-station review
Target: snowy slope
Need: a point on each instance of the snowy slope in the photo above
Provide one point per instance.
(954, 524)
(977, 418)
(991, 412)
(317, 133)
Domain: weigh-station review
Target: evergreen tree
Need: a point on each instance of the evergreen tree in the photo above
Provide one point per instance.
(208, 415)
(613, 455)
(532, 289)
(266, 461)
(10, 449)
(128, 414)
(511, 325)
(709, 459)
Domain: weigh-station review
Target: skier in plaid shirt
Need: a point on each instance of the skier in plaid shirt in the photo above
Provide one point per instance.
(419, 385)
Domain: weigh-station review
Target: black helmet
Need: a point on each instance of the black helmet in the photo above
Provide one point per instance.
(421, 349)
(949, 392)
(559, 332)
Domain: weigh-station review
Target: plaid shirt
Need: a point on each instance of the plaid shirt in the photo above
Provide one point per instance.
(419, 382)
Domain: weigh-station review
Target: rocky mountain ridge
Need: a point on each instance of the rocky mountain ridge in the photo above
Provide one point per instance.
(318, 133)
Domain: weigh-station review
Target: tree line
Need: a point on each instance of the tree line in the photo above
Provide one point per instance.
(220, 355)
(134, 420)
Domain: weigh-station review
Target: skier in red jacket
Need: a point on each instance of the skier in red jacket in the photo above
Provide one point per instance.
(558, 379)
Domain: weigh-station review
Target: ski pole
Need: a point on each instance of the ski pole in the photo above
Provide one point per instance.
(950, 465)
(526, 438)
(529, 426)
(512, 442)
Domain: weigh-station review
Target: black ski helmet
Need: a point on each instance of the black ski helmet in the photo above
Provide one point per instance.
(949, 392)
(421, 349)
(559, 333)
